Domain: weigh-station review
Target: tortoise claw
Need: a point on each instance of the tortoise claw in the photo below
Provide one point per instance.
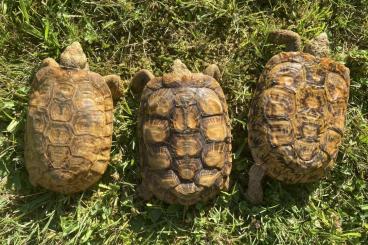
(254, 192)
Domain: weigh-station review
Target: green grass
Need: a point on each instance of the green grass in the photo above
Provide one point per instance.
(124, 36)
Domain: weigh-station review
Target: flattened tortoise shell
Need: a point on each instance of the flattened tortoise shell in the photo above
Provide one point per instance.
(69, 129)
(185, 138)
(297, 116)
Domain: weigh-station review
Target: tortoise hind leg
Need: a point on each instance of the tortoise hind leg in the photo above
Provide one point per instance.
(144, 192)
(255, 192)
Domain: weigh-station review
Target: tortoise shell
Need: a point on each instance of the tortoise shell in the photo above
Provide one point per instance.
(185, 138)
(69, 129)
(297, 116)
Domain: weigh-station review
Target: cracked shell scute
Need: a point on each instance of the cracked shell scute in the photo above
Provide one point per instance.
(297, 116)
(185, 139)
(69, 128)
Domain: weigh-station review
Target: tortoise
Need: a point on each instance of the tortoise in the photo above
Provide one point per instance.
(297, 114)
(69, 123)
(184, 135)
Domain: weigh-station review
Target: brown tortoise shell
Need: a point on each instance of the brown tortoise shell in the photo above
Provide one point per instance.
(69, 129)
(185, 138)
(297, 116)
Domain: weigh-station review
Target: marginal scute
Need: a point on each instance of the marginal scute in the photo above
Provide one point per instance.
(158, 157)
(338, 111)
(79, 164)
(207, 177)
(37, 118)
(60, 175)
(41, 95)
(168, 179)
(186, 189)
(331, 142)
(99, 167)
(336, 87)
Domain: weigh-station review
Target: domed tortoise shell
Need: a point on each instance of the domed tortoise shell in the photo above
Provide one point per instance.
(297, 116)
(185, 144)
(69, 129)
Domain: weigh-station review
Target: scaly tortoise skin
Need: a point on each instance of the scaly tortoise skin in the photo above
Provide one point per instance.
(69, 124)
(296, 118)
(185, 138)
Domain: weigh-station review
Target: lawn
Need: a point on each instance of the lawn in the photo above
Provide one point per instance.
(122, 37)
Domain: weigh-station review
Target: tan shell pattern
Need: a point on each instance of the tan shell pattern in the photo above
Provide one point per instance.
(69, 129)
(297, 116)
(185, 138)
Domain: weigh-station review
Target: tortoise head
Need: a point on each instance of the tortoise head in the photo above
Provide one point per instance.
(318, 46)
(74, 57)
(179, 68)
(142, 77)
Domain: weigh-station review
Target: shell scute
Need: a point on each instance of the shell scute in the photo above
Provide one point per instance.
(209, 102)
(156, 131)
(64, 91)
(61, 111)
(215, 128)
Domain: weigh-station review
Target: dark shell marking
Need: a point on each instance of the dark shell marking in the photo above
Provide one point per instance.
(69, 129)
(297, 116)
(185, 138)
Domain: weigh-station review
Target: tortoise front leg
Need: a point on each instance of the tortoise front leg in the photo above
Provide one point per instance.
(114, 83)
(139, 81)
(49, 62)
(213, 71)
(255, 192)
